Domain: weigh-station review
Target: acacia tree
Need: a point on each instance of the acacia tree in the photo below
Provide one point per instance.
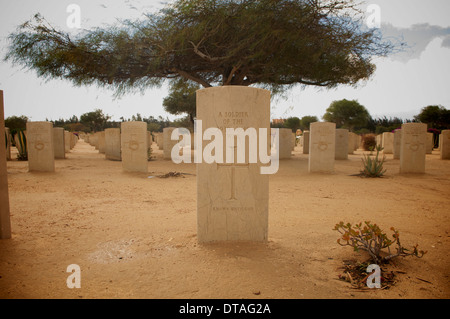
(274, 44)
(182, 98)
(347, 114)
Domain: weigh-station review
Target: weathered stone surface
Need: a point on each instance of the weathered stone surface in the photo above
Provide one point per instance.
(134, 146)
(306, 142)
(341, 146)
(397, 143)
(388, 142)
(41, 153)
(232, 198)
(112, 144)
(59, 143)
(444, 139)
(322, 147)
(413, 148)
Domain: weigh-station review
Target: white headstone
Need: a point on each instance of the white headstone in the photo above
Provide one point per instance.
(134, 146)
(413, 148)
(322, 147)
(232, 198)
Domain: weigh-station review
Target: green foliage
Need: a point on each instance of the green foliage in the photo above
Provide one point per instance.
(182, 98)
(371, 238)
(436, 116)
(293, 123)
(21, 145)
(373, 166)
(272, 44)
(347, 114)
(15, 123)
(96, 121)
(306, 121)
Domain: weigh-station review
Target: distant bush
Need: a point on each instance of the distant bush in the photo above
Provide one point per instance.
(369, 142)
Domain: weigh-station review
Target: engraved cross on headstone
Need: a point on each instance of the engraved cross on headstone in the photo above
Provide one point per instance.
(233, 167)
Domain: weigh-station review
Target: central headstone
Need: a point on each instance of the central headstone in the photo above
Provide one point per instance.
(41, 153)
(134, 146)
(232, 198)
(413, 148)
(322, 147)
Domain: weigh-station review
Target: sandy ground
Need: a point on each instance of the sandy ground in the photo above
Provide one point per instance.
(135, 237)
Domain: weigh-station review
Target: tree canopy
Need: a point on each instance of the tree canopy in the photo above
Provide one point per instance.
(182, 99)
(274, 44)
(436, 116)
(347, 114)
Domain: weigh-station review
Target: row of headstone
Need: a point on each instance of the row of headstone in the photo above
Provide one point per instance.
(391, 144)
(46, 143)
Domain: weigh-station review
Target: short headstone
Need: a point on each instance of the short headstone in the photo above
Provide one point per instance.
(322, 147)
(232, 198)
(341, 146)
(286, 143)
(58, 143)
(112, 144)
(5, 221)
(306, 142)
(413, 148)
(388, 142)
(445, 144)
(397, 143)
(41, 153)
(134, 146)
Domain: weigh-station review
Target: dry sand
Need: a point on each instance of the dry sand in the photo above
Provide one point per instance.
(135, 237)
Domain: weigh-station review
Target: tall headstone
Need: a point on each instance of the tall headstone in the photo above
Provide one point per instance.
(397, 143)
(351, 142)
(430, 143)
(101, 142)
(388, 142)
(232, 198)
(322, 147)
(168, 142)
(5, 222)
(444, 139)
(306, 142)
(67, 141)
(112, 144)
(413, 148)
(341, 146)
(286, 143)
(134, 146)
(41, 153)
(8, 143)
(58, 143)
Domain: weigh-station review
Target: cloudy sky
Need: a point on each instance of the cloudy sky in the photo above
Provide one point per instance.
(402, 85)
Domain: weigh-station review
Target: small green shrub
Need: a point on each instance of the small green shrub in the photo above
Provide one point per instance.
(373, 166)
(373, 240)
